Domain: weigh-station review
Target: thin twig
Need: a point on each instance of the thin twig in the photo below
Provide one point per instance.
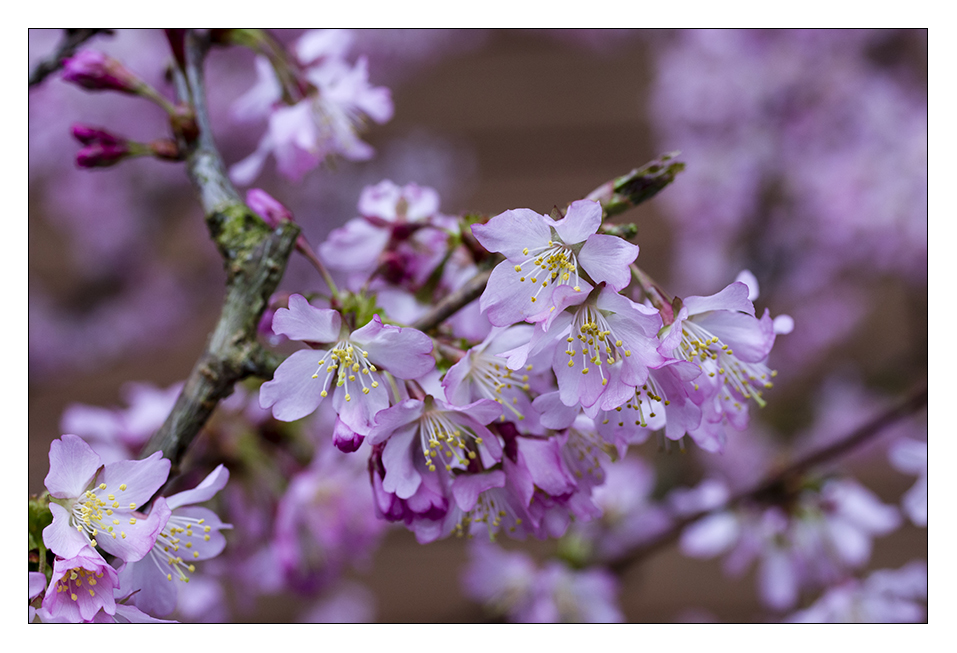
(254, 257)
(454, 302)
(72, 39)
(781, 479)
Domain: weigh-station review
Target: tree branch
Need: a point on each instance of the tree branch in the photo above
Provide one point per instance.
(639, 185)
(454, 302)
(254, 257)
(72, 39)
(783, 479)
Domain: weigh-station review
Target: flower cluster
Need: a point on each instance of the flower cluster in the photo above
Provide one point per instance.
(816, 541)
(510, 584)
(332, 100)
(97, 506)
(569, 373)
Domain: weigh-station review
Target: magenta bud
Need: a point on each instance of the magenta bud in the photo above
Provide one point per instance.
(99, 72)
(345, 439)
(268, 207)
(90, 135)
(100, 155)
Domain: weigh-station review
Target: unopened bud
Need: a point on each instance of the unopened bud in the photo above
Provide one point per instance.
(183, 121)
(94, 135)
(163, 148)
(102, 155)
(99, 72)
(267, 207)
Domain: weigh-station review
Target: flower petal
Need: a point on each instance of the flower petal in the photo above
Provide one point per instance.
(581, 221)
(509, 233)
(205, 491)
(136, 481)
(405, 352)
(303, 321)
(734, 297)
(293, 393)
(606, 258)
(401, 477)
(73, 463)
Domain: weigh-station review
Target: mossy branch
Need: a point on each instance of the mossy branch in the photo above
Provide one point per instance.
(254, 256)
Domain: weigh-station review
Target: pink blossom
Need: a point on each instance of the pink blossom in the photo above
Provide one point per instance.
(543, 255)
(191, 534)
(81, 586)
(910, 456)
(92, 507)
(349, 369)
(324, 123)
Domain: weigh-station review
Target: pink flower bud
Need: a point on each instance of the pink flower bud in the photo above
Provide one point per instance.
(268, 207)
(94, 135)
(99, 72)
(102, 155)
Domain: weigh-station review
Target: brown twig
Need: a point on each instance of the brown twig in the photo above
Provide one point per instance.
(254, 256)
(453, 302)
(781, 479)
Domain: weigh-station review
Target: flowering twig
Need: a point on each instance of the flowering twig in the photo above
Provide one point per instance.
(254, 257)
(782, 480)
(72, 39)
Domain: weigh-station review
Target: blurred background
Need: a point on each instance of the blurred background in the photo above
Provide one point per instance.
(806, 157)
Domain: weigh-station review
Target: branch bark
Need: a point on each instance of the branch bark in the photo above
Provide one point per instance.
(254, 256)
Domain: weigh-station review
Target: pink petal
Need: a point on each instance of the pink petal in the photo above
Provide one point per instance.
(205, 491)
(72, 467)
(581, 221)
(401, 478)
(510, 232)
(293, 393)
(467, 487)
(405, 352)
(606, 258)
(303, 321)
(732, 298)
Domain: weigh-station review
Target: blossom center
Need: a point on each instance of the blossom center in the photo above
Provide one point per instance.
(715, 358)
(554, 264)
(491, 378)
(444, 439)
(178, 534)
(93, 514)
(595, 342)
(348, 364)
(78, 580)
(646, 402)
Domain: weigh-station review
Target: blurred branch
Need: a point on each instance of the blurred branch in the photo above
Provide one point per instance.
(452, 303)
(777, 484)
(639, 185)
(72, 39)
(254, 256)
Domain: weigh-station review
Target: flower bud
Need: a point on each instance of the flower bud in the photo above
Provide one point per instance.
(267, 207)
(98, 72)
(102, 155)
(94, 135)
(164, 148)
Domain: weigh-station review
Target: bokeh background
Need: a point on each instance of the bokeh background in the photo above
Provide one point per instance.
(806, 164)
